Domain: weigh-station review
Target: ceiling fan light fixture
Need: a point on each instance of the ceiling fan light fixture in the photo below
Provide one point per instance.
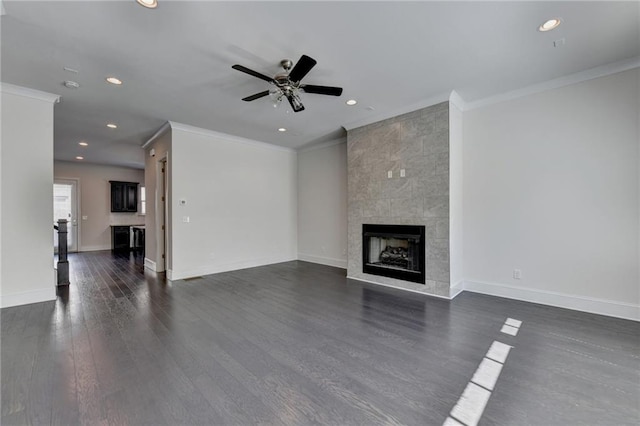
(275, 94)
(296, 103)
(149, 4)
(550, 24)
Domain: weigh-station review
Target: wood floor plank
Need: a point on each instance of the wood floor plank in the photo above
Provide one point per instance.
(294, 344)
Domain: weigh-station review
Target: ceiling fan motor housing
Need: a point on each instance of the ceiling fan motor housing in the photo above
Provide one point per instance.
(282, 79)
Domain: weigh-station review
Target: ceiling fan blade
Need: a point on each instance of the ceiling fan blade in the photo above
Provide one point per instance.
(302, 68)
(322, 90)
(256, 96)
(295, 103)
(252, 72)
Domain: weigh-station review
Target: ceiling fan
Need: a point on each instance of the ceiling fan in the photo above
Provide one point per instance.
(287, 84)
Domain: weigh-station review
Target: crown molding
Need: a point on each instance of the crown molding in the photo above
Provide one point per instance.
(579, 77)
(26, 92)
(219, 135)
(443, 97)
(457, 100)
(326, 144)
(161, 131)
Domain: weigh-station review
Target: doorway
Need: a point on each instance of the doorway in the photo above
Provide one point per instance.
(161, 215)
(65, 206)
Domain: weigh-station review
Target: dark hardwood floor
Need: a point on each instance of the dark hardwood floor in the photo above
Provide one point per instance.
(295, 344)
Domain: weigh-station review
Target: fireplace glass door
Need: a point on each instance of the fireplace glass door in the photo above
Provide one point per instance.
(395, 251)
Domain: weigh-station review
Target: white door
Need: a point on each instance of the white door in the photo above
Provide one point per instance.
(65, 206)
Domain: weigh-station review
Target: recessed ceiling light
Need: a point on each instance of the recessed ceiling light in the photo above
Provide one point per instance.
(282, 129)
(79, 158)
(151, 4)
(550, 24)
(83, 144)
(351, 102)
(112, 126)
(71, 84)
(114, 80)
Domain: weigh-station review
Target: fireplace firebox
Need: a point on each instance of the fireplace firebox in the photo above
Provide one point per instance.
(395, 251)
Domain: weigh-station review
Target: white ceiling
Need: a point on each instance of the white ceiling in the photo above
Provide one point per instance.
(176, 60)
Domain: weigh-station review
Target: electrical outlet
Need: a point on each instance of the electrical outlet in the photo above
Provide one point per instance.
(402, 173)
(186, 219)
(390, 174)
(517, 274)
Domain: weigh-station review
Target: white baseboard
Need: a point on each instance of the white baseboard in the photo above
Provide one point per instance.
(95, 248)
(27, 297)
(150, 264)
(578, 303)
(338, 263)
(456, 289)
(174, 275)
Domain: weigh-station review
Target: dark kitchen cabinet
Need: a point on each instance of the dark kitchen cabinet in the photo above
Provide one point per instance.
(124, 197)
(120, 237)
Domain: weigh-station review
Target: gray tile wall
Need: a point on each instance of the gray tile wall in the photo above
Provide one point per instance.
(419, 143)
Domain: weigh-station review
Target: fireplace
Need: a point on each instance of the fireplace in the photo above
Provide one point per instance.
(395, 251)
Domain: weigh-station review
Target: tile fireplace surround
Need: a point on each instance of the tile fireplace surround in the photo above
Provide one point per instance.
(417, 142)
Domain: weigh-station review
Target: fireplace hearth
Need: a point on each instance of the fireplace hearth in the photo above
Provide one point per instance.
(395, 251)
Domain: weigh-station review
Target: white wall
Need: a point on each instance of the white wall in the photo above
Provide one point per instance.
(95, 200)
(322, 204)
(27, 274)
(456, 198)
(240, 199)
(551, 188)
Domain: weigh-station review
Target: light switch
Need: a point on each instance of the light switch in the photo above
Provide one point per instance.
(185, 219)
(85, 217)
(402, 173)
(390, 174)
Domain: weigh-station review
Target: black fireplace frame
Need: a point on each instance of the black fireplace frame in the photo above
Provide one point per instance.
(386, 231)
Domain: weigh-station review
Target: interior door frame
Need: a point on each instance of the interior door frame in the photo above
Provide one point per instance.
(166, 248)
(76, 182)
(161, 212)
